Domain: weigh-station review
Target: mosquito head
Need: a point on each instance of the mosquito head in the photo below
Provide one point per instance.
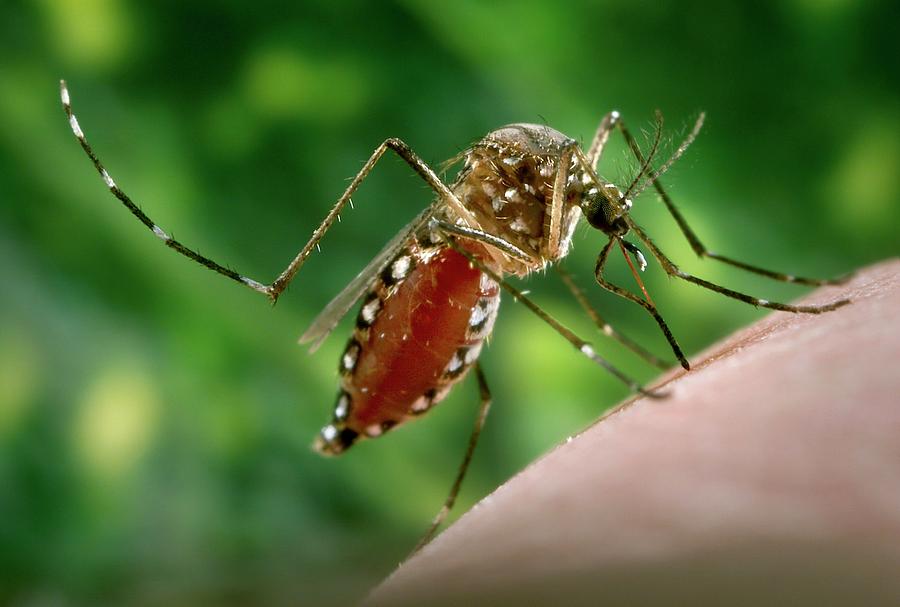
(604, 208)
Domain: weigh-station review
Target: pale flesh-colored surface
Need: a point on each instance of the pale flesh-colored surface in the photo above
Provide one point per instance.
(771, 475)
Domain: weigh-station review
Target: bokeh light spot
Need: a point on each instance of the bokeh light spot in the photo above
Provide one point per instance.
(865, 183)
(89, 33)
(282, 84)
(116, 422)
(19, 377)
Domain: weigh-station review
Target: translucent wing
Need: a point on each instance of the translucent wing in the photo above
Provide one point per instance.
(331, 315)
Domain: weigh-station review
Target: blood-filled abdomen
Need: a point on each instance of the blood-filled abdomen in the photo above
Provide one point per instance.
(419, 330)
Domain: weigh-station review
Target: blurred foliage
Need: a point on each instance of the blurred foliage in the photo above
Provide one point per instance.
(155, 418)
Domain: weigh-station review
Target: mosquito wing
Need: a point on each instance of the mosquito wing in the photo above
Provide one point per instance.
(331, 315)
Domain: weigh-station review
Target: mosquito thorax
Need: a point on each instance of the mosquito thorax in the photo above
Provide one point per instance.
(508, 184)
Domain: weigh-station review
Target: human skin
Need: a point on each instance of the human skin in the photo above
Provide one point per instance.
(770, 475)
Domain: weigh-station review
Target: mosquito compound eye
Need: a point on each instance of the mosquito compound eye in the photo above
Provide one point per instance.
(597, 210)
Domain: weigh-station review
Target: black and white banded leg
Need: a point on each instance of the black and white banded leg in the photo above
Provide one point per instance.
(613, 120)
(274, 289)
(673, 270)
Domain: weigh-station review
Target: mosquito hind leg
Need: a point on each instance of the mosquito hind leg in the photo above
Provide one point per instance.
(273, 290)
(484, 408)
(137, 212)
(699, 248)
(672, 270)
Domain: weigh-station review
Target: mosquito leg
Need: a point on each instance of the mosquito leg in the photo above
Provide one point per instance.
(137, 212)
(482, 236)
(582, 346)
(673, 270)
(600, 138)
(483, 409)
(604, 326)
(698, 247)
(273, 290)
(651, 309)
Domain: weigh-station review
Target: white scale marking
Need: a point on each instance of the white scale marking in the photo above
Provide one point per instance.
(342, 408)
(108, 180)
(421, 404)
(370, 310)
(479, 313)
(160, 233)
(472, 354)
(400, 268)
(329, 433)
(763, 302)
(253, 284)
(350, 356)
(64, 93)
(587, 350)
(518, 225)
(73, 122)
(455, 364)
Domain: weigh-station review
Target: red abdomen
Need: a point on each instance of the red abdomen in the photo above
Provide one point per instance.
(420, 329)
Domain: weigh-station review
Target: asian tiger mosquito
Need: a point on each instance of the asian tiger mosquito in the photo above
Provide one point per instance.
(431, 295)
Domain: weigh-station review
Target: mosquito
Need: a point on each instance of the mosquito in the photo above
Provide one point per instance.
(430, 297)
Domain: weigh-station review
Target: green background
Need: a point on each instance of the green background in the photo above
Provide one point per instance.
(155, 418)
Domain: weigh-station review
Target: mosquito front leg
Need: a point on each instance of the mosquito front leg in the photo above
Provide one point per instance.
(605, 327)
(673, 270)
(484, 394)
(273, 290)
(698, 247)
(600, 138)
(651, 309)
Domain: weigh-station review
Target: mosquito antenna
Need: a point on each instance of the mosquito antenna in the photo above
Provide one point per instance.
(645, 166)
(678, 153)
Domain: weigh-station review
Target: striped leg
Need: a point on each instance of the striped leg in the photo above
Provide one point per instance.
(274, 289)
(614, 120)
(673, 270)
